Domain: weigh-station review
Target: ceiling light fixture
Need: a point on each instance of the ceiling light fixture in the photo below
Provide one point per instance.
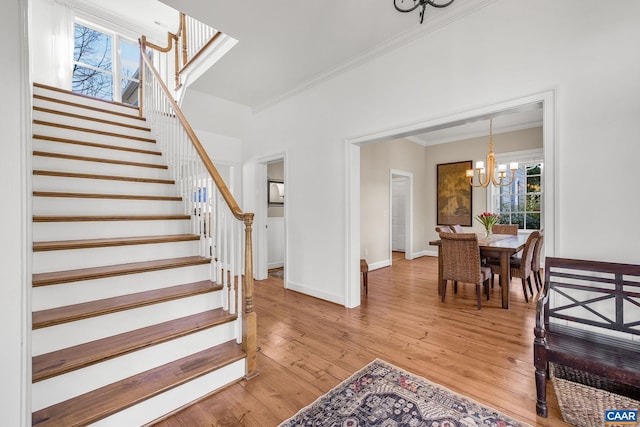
(411, 5)
(488, 176)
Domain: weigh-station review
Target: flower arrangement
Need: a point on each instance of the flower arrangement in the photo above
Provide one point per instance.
(488, 220)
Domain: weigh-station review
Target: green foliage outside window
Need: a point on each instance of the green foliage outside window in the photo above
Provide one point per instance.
(520, 203)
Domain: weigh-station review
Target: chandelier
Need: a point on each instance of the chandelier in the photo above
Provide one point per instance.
(411, 5)
(488, 176)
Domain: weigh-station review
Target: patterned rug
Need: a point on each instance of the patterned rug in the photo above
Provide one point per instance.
(381, 394)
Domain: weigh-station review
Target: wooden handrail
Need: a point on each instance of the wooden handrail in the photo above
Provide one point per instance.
(224, 190)
(249, 321)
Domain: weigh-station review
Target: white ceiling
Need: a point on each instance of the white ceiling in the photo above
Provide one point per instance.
(287, 45)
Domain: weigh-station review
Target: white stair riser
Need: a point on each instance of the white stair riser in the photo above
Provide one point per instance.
(78, 206)
(86, 101)
(101, 186)
(46, 231)
(39, 129)
(170, 400)
(48, 261)
(57, 337)
(87, 112)
(45, 297)
(61, 119)
(98, 152)
(63, 387)
(98, 168)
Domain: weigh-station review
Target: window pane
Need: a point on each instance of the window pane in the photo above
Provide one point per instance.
(92, 48)
(533, 184)
(130, 91)
(94, 83)
(533, 221)
(129, 59)
(534, 169)
(533, 202)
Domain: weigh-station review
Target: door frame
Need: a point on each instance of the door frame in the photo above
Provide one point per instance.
(548, 100)
(261, 212)
(407, 178)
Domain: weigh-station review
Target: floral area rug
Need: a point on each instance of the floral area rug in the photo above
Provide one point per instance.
(381, 394)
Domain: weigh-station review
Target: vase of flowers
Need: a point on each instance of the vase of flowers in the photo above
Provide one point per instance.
(488, 220)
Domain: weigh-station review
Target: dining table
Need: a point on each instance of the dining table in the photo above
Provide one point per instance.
(498, 246)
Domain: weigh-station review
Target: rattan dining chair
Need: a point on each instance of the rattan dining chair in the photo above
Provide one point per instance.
(520, 266)
(511, 229)
(535, 261)
(461, 263)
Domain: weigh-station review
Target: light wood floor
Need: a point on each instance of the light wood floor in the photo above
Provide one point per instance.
(309, 346)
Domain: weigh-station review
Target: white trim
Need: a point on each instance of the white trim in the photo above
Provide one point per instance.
(408, 243)
(380, 264)
(550, 148)
(261, 267)
(314, 292)
(26, 189)
(352, 216)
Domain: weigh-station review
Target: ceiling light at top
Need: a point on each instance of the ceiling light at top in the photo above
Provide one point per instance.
(411, 5)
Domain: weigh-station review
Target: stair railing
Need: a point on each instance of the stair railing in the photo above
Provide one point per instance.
(192, 38)
(215, 214)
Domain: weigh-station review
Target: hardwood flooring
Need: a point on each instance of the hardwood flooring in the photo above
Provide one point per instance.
(308, 346)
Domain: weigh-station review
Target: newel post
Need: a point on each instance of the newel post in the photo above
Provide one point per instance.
(249, 321)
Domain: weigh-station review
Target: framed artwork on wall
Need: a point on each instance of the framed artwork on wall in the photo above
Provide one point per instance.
(275, 192)
(454, 194)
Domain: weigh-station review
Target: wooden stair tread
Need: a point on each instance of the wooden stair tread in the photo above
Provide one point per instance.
(98, 160)
(59, 315)
(93, 119)
(100, 403)
(88, 107)
(105, 196)
(56, 277)
(103, 177)
(134, 109)
(89, 130)
(82, 355)
(62, 245)
(95, 144)
(97, 218)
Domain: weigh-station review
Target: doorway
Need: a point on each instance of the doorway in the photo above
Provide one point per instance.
(270, 221)
(401, 214)
(546, 100)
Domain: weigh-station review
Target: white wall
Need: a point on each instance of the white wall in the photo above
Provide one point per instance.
(512, 48)
(14, 252)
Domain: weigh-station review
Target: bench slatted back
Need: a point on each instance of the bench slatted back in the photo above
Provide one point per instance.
(579, 286)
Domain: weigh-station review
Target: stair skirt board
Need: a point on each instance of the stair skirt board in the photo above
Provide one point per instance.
(156, 407)
(62, 387)
(104, 229)
(45, 262)
(60, 295)
(57, 337)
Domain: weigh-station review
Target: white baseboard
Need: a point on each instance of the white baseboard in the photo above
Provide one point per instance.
(379, 264)
(338, 299)
(275, 265)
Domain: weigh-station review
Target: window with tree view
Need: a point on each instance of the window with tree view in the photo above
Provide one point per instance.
(105, 65)
(520, 202)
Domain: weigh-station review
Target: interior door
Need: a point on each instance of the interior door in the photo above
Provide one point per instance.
(398, 214)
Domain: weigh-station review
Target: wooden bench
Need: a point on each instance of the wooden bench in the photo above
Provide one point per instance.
(588, 319)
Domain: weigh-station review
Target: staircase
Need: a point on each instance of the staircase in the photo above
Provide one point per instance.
(128, 324)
